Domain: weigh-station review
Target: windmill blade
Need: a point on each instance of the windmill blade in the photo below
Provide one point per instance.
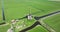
(31, 27)
(39, 10)
(37, 18)
(36, 12)
(30, 15)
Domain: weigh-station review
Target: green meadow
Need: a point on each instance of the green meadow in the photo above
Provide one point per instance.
(15, 9)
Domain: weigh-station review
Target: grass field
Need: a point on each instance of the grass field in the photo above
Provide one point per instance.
(19, 8)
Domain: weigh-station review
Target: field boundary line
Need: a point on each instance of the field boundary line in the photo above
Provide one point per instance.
(4, 24)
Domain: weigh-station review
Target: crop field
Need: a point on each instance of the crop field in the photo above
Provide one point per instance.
(15, 9)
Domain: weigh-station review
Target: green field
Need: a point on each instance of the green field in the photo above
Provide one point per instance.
(19, 8)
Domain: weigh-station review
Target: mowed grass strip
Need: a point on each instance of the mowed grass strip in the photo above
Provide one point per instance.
(54, 22)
